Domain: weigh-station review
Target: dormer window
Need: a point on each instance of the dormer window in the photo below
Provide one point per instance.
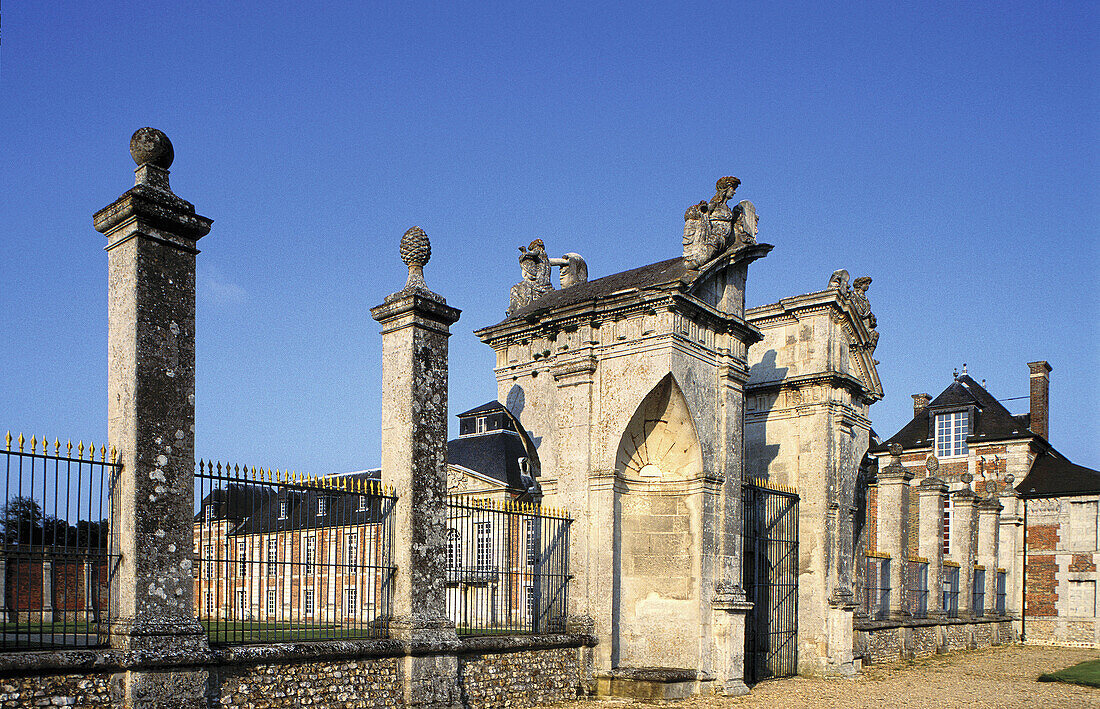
(282, 509)
(209, 513)
(321, 506)
(482, 423)
(362, 503)
(951, 432)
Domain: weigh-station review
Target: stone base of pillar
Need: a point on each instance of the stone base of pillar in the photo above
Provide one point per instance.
(729, 643)
(431, 681)
(175, 689)
(168, 637)
(838, 661)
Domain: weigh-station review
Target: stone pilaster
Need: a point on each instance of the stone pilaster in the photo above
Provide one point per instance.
(151, 236)
(931, 496)
(964, 545)
(1010, 538)
(893, 529)
(47, 591)
(989, 512)
(415, 327)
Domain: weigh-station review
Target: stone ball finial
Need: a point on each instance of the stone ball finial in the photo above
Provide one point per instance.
(416, 251)
(151, 146)
(895, 449)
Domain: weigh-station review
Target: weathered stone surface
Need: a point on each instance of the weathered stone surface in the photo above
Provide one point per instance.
(151, 384)
(494, 671)
(415, 327)
(811, 384)
(636, 394)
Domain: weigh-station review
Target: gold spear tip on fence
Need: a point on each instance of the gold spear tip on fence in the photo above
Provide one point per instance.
(7, 440)
(56, 446)
(114, 454)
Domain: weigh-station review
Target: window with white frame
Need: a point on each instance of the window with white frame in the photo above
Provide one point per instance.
(352, 552)
(242, 559)
(209, 603)
(530, 603)
(272, 555)
(208, 561)
(307, 602)
(351, 597)
(482, 423)
(311, 555)
(484, 545)
(242, 602)
(209, 513)
(362, 503)
(532, 530)
(454, 549)
(282, 509)
(951, 432)
(321, 506)
(271, 598)
(948, 508)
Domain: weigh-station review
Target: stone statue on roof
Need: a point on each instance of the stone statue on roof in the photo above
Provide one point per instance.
(839, 281)
(862, 307)
(712, 227)
(536, 267)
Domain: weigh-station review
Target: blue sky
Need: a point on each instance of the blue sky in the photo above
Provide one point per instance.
(948, 150)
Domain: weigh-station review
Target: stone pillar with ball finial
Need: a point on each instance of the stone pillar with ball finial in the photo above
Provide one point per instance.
(151, 236)
(415, 327)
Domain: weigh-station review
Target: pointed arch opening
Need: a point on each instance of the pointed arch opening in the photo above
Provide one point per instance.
(660, 442)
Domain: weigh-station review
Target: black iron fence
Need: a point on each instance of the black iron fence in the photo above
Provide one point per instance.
(876, 584)
(281, 556)
(55, 563)
(951, 590)
(770, 576)
(507, 567)
(918, 588)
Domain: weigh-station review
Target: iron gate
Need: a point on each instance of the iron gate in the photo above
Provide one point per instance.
(771, 580)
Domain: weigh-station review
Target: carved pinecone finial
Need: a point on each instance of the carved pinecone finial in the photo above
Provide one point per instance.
(416, 250)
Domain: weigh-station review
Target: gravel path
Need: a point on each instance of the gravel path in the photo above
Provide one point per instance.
(997, 677)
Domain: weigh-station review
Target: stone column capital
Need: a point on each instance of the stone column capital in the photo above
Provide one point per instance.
(150, 208)
(894, 473)
(415, 307)
(989, 505)
(932, 486)
(965, 496)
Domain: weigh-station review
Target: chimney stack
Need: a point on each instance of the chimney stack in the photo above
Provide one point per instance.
(1040, 397)
(920, 403)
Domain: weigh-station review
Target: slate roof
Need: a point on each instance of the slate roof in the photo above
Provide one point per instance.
(654, 274)
(255, 508)
(495, 454)
(484, 408)
(1052, 475)
(994, 421)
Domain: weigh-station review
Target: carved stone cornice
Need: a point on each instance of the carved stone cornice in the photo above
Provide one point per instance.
(840, 310)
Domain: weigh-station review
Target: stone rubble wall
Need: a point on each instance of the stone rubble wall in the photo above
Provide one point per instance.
(520, 679)
(885, 641)
(493, 672)
(72, 690)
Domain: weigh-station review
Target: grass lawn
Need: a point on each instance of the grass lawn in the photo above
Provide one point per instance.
(1086, 673)
(259, 632)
